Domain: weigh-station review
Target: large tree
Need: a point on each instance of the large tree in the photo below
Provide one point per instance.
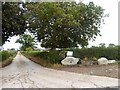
(26, 41)
(0, 24)
(64, 24)
(13, 20)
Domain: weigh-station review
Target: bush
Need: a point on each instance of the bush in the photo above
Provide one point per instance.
(55, 56)
(109, 53)
(6, 57)
(28, 49)
(52, 56)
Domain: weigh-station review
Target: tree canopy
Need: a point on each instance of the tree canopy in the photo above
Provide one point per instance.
(13, 20)
(64, 24)
(102, 45)
(27, 41)
(0, 13)
(111, 45)
(55, 24)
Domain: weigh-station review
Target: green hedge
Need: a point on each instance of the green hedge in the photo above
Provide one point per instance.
(4, 55)
(109, 53)
(52, 56)
(55, 56)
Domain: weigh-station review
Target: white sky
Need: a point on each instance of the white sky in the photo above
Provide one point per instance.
(109, 30)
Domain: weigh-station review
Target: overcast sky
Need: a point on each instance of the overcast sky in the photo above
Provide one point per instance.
(109, 30)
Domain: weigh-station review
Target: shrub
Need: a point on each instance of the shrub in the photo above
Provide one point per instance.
(109, 53)
(6, 57)
(52, 56)
(28, 49)
(6, 54)
(55, 56)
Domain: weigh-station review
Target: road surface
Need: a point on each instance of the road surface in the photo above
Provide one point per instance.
(23, 73)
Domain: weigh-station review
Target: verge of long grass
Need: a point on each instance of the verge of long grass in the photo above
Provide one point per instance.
(6, 58)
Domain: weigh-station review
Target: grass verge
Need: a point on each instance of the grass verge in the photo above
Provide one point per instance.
(46, 59)
(6, 58)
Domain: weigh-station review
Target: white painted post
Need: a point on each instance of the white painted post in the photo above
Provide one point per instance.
(69, 53)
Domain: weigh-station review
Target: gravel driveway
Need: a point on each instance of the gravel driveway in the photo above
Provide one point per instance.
(23, 73)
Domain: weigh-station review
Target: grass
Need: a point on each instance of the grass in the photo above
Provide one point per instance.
(118, 62)
(6, 62)
(45, 58)
(41, 62)
(41, 58)
(6, 57)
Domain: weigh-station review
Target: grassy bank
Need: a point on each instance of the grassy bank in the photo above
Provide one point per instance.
(45, 58)
(6, 57)
(54, 57)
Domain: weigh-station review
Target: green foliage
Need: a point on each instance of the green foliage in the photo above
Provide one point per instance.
(0, 23)
(51, 56)
(56, 24)
(13, 20)
(55, 56)
(27, 42)
(111, 45)
(64, 24)
(118, 52)
(109, 53)
(6, 55)
(28, 49)
(102, 45)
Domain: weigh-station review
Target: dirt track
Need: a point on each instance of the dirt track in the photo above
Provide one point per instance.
(23, 73)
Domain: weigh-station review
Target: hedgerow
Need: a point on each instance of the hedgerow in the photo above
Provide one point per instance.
(6, 57)
(109, 53)
(52, 56)
(55, 56)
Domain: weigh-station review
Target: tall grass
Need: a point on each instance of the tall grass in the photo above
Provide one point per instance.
(55, 56)
(6, 57)
(52, 57)
(109, 53)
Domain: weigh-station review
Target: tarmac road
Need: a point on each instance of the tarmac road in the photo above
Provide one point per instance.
(23, 73)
